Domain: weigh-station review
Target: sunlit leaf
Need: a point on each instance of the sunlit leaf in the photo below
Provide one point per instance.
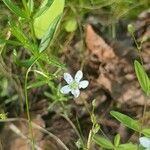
(49, 34)
(44, 7)
(42, 23)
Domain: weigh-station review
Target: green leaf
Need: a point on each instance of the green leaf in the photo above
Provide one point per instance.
(30, 5)
(21, 36)
(42, 23)
(49, 34)
(41, 73)
(12, 42)
(117, 140)
(127, 146)
(44, 7)
(146, 132)
(37, 84)
(71, 25)
(53, 60)
(25, 63)
(19, 12)
(142, 77)
(126, 120)
(103, 142)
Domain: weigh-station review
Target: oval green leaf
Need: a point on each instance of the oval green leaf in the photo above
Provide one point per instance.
(103, 142)
(126, 120)
(42, 23)
(142, 77)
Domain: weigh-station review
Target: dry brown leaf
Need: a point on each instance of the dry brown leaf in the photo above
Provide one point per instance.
(97, 45)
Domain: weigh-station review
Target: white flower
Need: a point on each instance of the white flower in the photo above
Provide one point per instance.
(74, 84)
(145, 142)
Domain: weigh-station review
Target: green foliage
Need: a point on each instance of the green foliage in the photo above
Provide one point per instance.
(42, 23)
(146, 132)
(30, 5)
(22, 37)
(42, 9)
(142, 77)
(131, 29)
(127, 146)
(49, 34)
(126, 120)
(117, 140)
(103, 142)
(15, 9)
(71, 25)
(107, 144)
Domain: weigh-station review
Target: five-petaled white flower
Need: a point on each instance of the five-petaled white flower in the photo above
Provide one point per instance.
(145, 142)
(74, 84)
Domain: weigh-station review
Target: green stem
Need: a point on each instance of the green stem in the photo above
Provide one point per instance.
(27, 105)
(33, 31)
(30, 19)
(138, 48)
(74, 127)
(144, 111)
(27, 109)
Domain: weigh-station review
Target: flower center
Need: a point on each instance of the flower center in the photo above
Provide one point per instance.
(74, 85)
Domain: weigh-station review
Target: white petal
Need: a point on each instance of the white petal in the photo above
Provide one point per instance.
(68, 78)
(145, 142)
(65, 89)
(78, 76)
(83, 84)
(76, 92)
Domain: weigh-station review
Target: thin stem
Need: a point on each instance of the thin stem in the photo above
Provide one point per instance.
(144, 111)
(30, 20)
(113, 28)
(27, 108)
(27, 104)
(33, 31)
(138, 48)
(90, 138)
(74, 127)
(80, 131)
